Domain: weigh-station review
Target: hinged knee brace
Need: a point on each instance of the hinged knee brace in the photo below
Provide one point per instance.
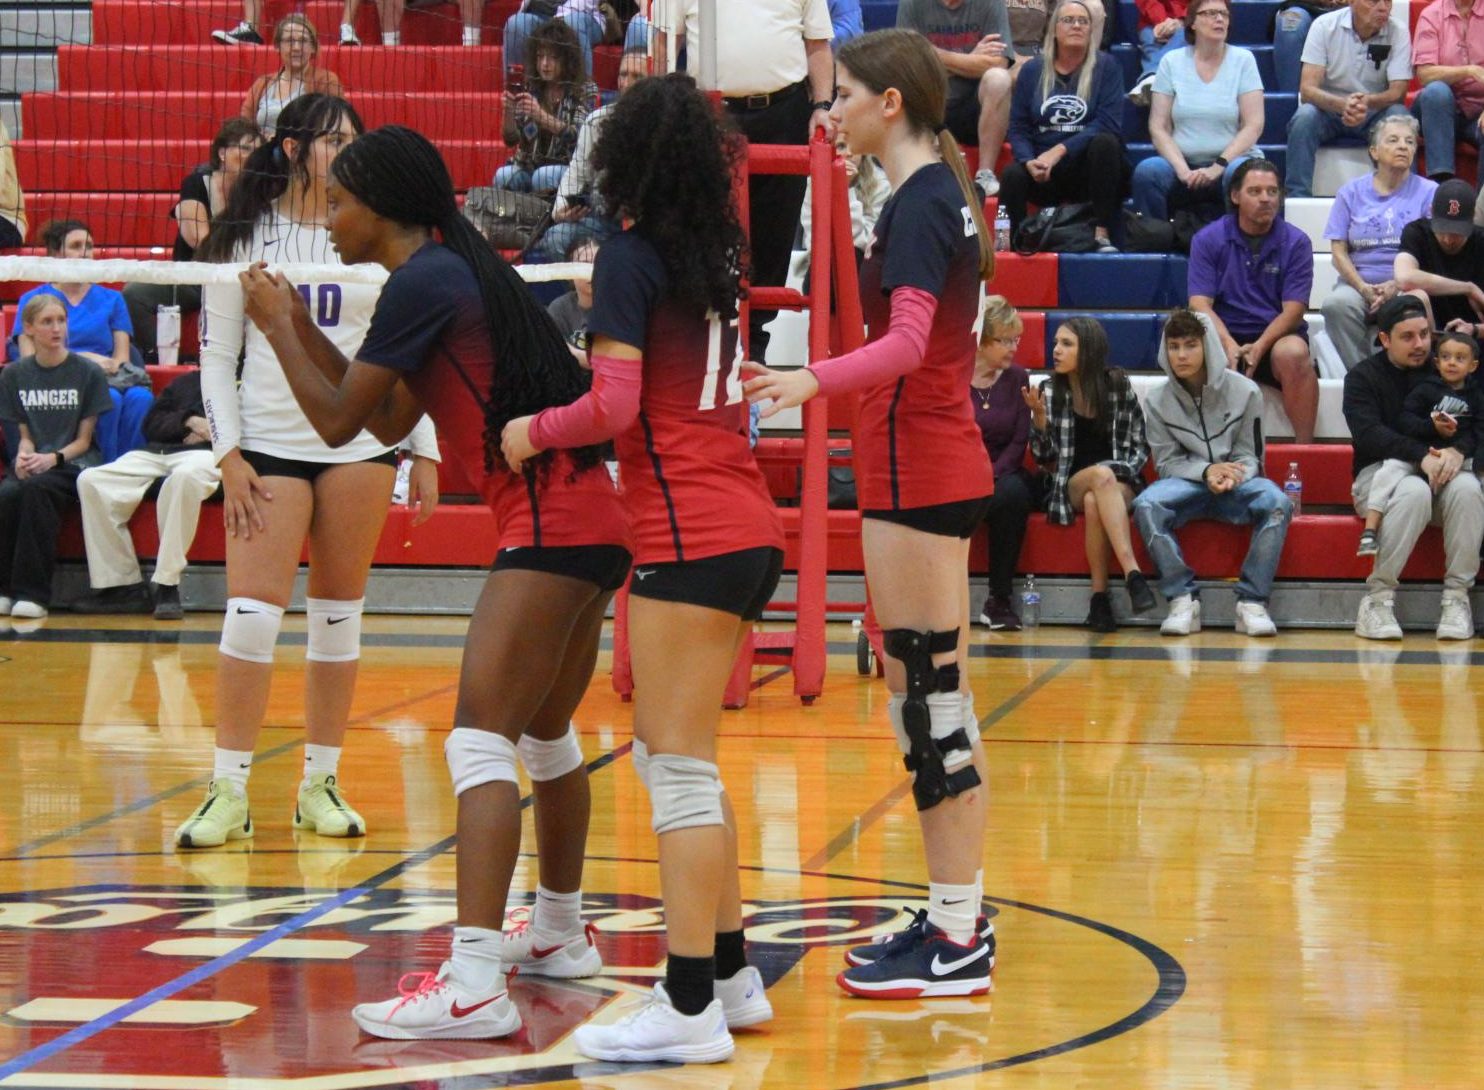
(928, 747)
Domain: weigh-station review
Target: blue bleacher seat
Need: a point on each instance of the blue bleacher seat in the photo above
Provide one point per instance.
(1128, 280)
(1252, 21)
(1133, 337)
(1128, 57)
(879, 14)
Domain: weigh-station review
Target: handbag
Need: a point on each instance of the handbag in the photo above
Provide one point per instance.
(1057, 229)
(1188, 221)
(1147, 235)
(510, 220)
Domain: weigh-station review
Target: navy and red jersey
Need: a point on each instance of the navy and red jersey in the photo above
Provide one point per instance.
(429, 325)
(916, 442)
(690, 482)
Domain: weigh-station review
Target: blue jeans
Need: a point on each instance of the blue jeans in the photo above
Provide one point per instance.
(1443, 125)
(1311, 128)
(1168, 504)
(1151, 51)
(637, 36)
(541, 180)
(1289, 33)
(121, 428)
(1155, 181)
(561, 236)
(519, 27)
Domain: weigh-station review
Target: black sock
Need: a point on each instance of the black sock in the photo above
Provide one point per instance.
(690, 982)
(731, 958)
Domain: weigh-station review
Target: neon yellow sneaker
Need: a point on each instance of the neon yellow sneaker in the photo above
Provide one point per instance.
(322, 809)
(223, 816)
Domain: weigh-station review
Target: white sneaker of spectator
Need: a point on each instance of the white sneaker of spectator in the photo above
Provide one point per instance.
(242, 34)
(1184, 616)
(1457, 620)
(1253, 620)
(348, 35)
(30, 611)
(1376, 621)
(986, 180)
(1143, 91)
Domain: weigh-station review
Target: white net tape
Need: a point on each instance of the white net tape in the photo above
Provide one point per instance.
(57, 270)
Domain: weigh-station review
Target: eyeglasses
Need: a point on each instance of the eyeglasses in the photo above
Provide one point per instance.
(1074, 20)
(1214, 13)
(1008, 342)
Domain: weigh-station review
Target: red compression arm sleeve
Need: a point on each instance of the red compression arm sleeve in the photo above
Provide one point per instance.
(901, 350)
(598, 415)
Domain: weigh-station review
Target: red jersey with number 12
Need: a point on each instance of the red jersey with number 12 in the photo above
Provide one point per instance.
(917, 444)
(689, 479)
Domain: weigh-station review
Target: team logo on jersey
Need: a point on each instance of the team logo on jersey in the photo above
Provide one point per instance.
(254, 968)
(1064, 110)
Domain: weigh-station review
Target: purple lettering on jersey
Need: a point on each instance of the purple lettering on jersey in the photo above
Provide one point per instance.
(324, 302)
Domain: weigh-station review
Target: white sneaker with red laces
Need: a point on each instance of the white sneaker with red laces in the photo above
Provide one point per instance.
(565, 956)
(432, 1006)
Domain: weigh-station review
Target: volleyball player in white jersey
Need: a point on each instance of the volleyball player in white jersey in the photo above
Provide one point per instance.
(283, 484)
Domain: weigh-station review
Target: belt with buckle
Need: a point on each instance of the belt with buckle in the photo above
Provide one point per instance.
(761, 102)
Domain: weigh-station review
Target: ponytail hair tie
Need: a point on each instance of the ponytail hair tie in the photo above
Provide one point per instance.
(939, 129)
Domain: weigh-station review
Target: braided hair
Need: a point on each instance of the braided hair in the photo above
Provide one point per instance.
(399, 175)
(667, 161)
(269, 169)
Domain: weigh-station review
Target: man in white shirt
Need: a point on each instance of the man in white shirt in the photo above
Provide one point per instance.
(776, 74)
(1356, 67)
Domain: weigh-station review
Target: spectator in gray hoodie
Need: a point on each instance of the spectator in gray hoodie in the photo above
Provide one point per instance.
(1205, 432)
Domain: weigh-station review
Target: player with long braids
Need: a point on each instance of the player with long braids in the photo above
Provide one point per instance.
(457, 332)
(667, 390)
(923, 483)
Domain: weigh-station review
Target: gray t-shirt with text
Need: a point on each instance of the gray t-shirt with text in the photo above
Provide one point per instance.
(54, 401)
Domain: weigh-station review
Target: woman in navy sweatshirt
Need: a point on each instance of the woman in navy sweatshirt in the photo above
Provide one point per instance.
(1066, 125)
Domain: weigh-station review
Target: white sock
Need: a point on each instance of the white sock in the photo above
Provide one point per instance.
(978, 894)
(320, 759)
(391, 37)
(233, 765)
(953, 909)
(471, 35)
(557, 915)
(346, 30)
(476, 959)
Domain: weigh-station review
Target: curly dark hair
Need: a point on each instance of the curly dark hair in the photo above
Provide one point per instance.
(561, 41)
(666, 160)
(399, 175)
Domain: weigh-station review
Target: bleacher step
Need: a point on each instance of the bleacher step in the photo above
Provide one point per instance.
(31, 27)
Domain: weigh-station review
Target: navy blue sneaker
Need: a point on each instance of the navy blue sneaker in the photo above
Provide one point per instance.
(864, 955)
(926, 965)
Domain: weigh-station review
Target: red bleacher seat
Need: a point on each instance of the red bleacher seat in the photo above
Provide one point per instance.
(138, 165)
(129, 70)
(193, 116)
(115, 219)
(129, 22)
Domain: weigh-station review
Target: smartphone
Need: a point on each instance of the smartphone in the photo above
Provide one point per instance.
(1450, 418)
(515, 79)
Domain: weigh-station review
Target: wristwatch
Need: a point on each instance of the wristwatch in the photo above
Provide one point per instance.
(1222, 161)
(60, 457)
(825, 106)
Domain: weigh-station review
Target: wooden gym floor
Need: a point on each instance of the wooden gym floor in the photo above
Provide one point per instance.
(1216, 863)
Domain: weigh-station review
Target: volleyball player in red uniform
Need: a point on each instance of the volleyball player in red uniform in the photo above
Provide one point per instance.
(923, 479)
(708, 542)
(456, 332)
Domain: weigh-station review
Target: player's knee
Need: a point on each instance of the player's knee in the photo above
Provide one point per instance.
(250, 629)
(548, 759)
(684, 793)
(477, 757)
(334, 629)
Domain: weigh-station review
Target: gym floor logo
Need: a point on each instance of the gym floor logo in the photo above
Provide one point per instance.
(280, 1010)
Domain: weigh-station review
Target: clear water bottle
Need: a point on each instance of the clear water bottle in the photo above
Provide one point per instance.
(1293, 488)
(1002, 230)
(1030, 604)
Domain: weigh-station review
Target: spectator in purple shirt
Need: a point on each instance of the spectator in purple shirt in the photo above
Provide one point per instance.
(1252, 272)
(1005, 422)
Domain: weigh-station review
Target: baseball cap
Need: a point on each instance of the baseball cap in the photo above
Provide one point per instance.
(1399, 308)
(1453, 207)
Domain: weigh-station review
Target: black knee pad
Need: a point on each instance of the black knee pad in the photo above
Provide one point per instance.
(931, 781)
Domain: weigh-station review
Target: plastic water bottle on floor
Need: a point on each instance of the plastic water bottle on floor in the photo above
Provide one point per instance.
(1002, 230)
(1030, 604)
(1293, 488)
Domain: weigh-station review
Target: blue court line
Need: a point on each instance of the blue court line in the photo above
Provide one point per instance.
(77, 1036)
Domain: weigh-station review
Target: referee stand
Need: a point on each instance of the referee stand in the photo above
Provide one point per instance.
(832, 262)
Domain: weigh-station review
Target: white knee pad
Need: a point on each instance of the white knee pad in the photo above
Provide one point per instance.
(334, 629)
(477, 757)
(945, 719)
(947, 712)
(250, 629)
(640, 754)
(684, 793)
(550, 759)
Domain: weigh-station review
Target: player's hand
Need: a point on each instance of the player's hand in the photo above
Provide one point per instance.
(1035, 400)
(515, 443)
(1445, 425)
(784, 389)
(267, 298)
(244, 493)
(422, 488)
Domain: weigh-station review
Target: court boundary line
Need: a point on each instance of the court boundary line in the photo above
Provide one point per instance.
(76, 1036)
